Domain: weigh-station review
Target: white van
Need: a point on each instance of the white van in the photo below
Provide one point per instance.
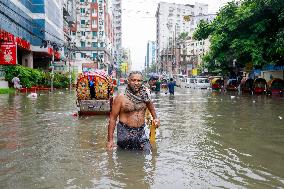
(180, 80)
(190, 83)
(202, 83)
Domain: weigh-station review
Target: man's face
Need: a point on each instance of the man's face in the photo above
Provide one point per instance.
(135, 82)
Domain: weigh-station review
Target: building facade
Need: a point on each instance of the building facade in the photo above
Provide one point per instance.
(150, 58)
(36, 29)
(92, 34)
(117, 34)
(176, 55)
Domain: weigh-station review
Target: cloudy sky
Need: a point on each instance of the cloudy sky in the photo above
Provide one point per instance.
(138, 24)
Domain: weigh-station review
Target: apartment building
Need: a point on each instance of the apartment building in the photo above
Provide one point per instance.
(117, 28)
(92, 34)
(174, 55)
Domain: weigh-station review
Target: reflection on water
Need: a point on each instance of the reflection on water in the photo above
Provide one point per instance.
(206, 140)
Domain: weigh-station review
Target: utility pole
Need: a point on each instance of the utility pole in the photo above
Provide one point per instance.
(70, 75)
(52, 70)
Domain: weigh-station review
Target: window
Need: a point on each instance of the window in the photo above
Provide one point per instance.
(83, 33)
(94, 24)
(82, 1)
(95, 44)
(83, 22)
(83, 55)
(94, 33)
(83, 44)
(95, 55)
(82, 10)
(102, 44)
(94, 1)
(73, 33)
(94, 12)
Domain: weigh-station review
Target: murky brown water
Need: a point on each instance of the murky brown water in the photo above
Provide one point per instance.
(206, 141)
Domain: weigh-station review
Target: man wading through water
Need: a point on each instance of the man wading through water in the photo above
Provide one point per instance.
(131, 107)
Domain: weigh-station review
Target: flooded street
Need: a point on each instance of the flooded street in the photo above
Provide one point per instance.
(206, 140)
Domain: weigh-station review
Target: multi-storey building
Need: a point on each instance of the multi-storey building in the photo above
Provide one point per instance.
(172, 20)
(150, 58)
(33, 31)
(93, 34)
(69, 16)
(117, 22)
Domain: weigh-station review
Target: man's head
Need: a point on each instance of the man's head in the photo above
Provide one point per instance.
(171, 79)
(135, 80)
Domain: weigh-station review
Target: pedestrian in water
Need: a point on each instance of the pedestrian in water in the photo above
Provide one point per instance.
(16, 82)
(171, 86)
(130, 107)
(157, 86)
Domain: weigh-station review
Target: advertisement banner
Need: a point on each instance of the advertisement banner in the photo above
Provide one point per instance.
(194, 72)
(8, 54)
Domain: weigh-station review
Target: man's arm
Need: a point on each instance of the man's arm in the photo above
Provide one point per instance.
(112, 120)
(152, 110)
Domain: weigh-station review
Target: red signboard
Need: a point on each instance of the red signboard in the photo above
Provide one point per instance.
(23, 43)
(8, 55)
(6, 36)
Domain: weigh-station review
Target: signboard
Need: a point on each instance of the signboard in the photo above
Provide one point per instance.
(8, 54)
(123, 67)
(194, 72)
(89, 67)
(189, 66)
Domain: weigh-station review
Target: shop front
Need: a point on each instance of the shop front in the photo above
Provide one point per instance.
(14, 50)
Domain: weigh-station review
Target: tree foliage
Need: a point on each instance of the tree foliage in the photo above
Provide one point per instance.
(250, 31)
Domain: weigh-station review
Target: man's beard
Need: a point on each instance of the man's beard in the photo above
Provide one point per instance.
(133, 89)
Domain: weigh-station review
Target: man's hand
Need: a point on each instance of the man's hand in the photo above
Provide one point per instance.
(110, 145)
(156, 123)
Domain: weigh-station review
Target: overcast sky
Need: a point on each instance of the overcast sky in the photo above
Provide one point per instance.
(139, 25)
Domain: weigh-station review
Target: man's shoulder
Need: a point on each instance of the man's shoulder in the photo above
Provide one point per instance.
(119, 97)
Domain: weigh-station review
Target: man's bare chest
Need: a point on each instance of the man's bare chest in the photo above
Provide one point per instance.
(128, 106)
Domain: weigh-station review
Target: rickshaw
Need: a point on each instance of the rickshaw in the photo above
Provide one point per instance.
(94, 93)
(276, 86)
(232, 85)
(247, 85)
(259, 86)
(217, 83)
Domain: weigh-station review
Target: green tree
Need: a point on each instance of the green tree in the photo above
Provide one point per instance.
(250, 31)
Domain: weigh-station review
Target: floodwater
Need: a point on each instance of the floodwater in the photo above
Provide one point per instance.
(206, 140)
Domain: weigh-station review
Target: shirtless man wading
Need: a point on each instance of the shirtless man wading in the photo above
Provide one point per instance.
(131, 107)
